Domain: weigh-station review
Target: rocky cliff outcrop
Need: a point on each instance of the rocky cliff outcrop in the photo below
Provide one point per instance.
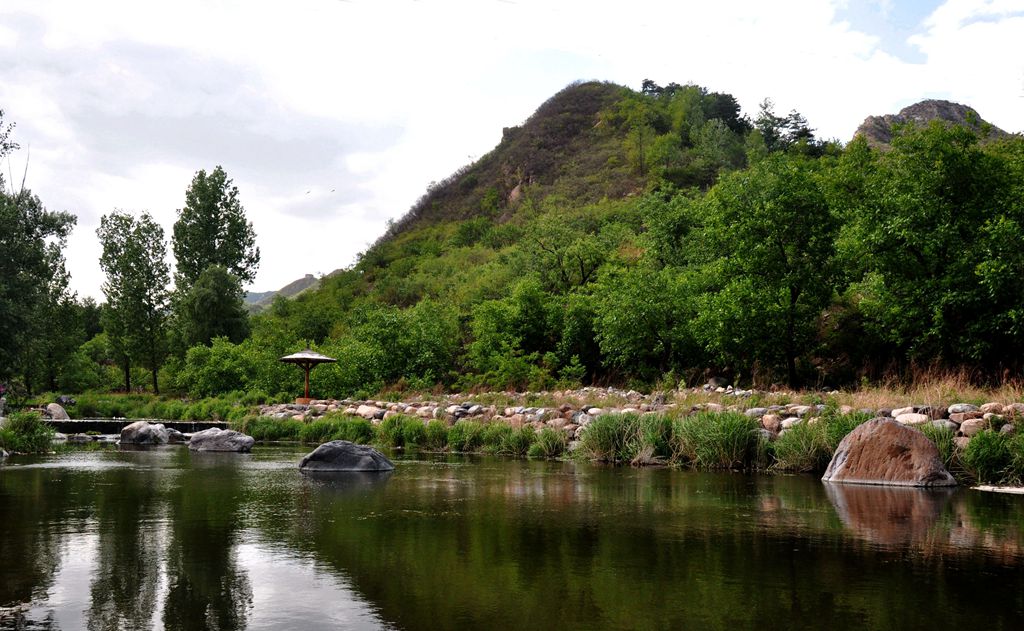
(878, 129)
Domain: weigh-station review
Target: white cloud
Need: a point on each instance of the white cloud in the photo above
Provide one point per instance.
(122, 101)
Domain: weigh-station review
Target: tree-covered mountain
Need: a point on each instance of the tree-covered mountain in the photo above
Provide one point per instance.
(650, 237)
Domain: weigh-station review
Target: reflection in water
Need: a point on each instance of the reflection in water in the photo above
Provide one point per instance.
(125, 581)
(207, 590)
(889, 515)
(175, 540)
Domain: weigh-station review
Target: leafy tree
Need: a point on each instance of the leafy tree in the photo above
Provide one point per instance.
(774, 233)
(133, 259)
(31, 271)
(212, 230)
(933, 233)
(212, 307)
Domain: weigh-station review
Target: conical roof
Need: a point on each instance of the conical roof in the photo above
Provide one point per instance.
(307, 357)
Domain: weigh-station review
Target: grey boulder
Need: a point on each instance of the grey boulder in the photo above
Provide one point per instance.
(144, 433)
(215, 439)
(341, 455)
(56, 412)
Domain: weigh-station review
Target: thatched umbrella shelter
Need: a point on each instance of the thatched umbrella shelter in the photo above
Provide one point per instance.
(306, 360)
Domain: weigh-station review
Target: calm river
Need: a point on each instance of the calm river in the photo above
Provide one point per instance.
(168, 539)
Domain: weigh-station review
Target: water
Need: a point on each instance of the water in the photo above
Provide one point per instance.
(168, 539)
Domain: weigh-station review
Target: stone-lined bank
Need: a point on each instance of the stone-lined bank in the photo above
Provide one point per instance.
(579, 408)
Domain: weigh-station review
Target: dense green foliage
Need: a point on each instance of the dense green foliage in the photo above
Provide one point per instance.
(136, 289)
(25, 432)
(640, 238)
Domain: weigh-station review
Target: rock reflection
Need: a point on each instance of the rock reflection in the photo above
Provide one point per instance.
(889, 515)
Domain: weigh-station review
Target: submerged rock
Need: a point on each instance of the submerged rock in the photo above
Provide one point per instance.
(885, 452)
(341, 455)
(215, 439)
(144, 433)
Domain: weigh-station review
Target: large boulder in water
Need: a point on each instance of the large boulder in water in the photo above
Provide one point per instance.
(885, 452)
(56, 412)
(144, 433)
(341, 455)
(215, 439)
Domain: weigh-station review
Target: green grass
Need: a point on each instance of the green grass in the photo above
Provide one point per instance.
(633, 438)
(809, 447)
(26, 433)
(987, 457)
(548, 443)
(436, 435)
(942, 438)
(707, 440)
(465, 436)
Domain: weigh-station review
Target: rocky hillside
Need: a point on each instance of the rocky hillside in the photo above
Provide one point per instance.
(258, 301)
(878, 129)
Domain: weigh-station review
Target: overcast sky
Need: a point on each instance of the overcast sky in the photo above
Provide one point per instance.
(332, 116)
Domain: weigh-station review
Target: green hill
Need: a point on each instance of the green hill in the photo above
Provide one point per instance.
(646, 238)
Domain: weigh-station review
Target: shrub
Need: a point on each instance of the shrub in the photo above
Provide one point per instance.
(465, 436)
(25, 432)
(436, 435)
(987, 457)
(548, 443)
(716, 440)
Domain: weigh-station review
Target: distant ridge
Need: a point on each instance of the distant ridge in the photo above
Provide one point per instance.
(258, 301)
(877, 130)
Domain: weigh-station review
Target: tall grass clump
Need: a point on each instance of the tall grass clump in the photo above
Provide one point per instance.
(942, 438)
(548, 443)
(709, 440)
(809, 447)
(337, 427)
(516, 442)
(636, 439)
(1016, 447)
(987, 457)
(493, 436)
(399, 431)
(465, 436)
(436, 435)
(264, 428)
(26, 433)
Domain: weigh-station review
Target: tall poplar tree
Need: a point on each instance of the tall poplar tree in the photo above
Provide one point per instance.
(212, 230)
(134, 253)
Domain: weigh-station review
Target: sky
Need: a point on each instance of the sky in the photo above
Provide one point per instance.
(333, 116)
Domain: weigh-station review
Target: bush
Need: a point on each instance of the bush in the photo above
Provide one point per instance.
(708, 440)
(465, 436)
(26, 433)
(548, 443)
(987, 457)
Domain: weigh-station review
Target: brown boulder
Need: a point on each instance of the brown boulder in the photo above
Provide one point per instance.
(885, 452)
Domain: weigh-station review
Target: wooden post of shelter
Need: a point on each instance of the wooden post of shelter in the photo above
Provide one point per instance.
(306, 360)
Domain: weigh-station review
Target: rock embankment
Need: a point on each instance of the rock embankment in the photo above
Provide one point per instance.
(578, 408)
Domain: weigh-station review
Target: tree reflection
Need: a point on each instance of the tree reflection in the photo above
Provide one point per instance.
(207, 589)
(128, 560)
